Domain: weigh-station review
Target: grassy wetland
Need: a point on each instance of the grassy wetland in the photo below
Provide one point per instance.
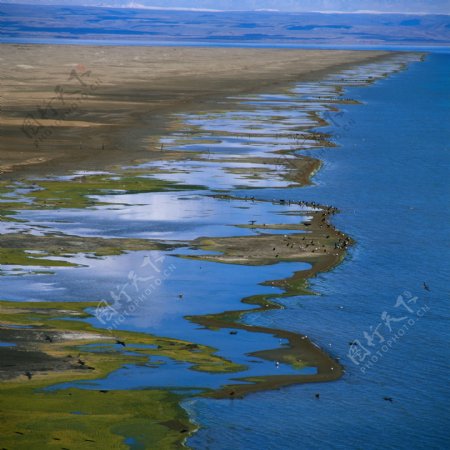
(130, 289)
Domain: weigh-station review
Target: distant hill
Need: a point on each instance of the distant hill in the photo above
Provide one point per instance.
(262, 28)
(391, 6)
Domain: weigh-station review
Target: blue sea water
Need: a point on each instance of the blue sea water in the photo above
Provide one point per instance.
(390, 179)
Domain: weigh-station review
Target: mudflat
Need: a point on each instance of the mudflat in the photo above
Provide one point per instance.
(86, 107)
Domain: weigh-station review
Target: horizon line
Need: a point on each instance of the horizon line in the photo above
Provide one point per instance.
(193, 9)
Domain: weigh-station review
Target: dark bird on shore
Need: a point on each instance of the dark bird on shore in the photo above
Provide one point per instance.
(48, 338)
(119, 342)
(231, 393)
(317, 395)
(18, 432)
(103, 391)
(426, 287)
(252, 222)
(184, 430)
(29, 375)
(388, 399)
(81, 362)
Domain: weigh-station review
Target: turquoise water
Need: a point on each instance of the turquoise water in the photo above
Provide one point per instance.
(390, 180)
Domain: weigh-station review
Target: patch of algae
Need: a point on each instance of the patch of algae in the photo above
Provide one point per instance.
(13, 245)
(31, 417)
(7, 205)
(77, 193)
(20, 257)
(7, 215)
(5, 186)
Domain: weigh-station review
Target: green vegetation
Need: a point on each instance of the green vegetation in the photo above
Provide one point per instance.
(76, 193)
(84, 419)
(50, 316)
(31, 417)
(40, 248)
(18, 256)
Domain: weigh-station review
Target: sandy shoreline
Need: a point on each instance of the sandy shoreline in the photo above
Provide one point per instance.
(81, 108)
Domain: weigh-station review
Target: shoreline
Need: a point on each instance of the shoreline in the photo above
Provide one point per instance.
(180, 79)
(328, 368)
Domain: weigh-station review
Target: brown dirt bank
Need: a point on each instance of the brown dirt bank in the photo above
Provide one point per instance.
(88, 107)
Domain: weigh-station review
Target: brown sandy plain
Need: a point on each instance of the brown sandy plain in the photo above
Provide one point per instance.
(86, 107)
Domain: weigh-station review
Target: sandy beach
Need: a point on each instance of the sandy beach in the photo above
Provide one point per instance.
(87, 107)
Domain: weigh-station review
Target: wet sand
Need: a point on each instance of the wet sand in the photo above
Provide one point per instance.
(87, 107)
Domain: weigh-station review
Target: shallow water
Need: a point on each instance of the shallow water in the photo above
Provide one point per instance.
(388, 180)
(372, 177)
